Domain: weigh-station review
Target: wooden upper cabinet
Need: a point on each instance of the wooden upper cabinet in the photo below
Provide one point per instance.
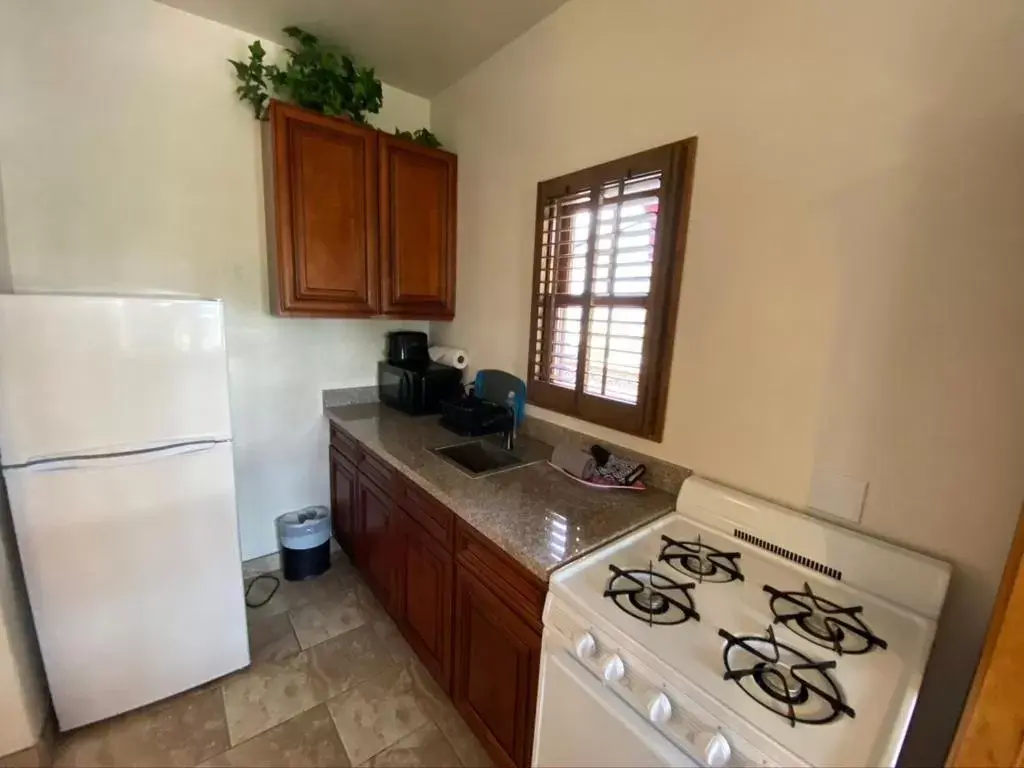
(417, 229)
(325, 215)
(359, 223)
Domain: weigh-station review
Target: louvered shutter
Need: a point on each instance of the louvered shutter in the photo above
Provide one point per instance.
(603, 251)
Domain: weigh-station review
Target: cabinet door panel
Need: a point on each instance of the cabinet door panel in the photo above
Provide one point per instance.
(326, 215)
(417, 229)
(427, 599)
(377, 554)
(496, 666)
(343, 500)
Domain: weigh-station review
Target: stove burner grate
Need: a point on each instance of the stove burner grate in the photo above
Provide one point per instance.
(823, 622)
(783, 680)
(695, 558)
(650, 596)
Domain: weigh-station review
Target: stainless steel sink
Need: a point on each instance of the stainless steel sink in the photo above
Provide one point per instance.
(478, 457)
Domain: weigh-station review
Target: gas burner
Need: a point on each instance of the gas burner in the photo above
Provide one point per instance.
(697, 559)
(651, 597)
(783, 680)
(822, 622)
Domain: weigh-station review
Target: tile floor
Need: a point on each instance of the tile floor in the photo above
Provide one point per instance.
(332, 683)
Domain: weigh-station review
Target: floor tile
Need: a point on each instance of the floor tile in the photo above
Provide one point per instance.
(287, 595)
(271, 638)
(329, 612)
(390, 637)
(377, 713)
(426, 746)
(295, 594)
(442, 711)
(308, 740)
(26, 758)
(184, 730)
(270, 693)
(348, 659)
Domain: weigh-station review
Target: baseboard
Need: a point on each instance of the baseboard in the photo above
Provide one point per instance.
(258, 565)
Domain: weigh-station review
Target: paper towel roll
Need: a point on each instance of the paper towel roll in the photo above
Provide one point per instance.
(456, 358)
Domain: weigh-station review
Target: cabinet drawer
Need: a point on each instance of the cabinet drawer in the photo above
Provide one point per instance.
(345, 444)
(378, 471)
(521, 590)
(435, 518)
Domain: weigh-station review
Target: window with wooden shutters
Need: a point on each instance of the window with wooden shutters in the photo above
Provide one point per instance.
(607, 272)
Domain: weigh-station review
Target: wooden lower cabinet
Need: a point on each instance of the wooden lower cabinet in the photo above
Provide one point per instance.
(497, 662)
(426, 598)
(343, 501)
(377, 551)
(470, 611)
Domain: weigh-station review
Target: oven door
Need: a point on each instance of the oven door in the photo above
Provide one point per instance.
(582, 723)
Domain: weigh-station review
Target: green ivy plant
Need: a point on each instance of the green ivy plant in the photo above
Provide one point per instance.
(253, 77)
(421, 136)
(316, 76)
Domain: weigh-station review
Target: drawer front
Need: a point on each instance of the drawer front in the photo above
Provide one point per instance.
(521, 590)
(378, 471)
(435, 518)
(345, 444)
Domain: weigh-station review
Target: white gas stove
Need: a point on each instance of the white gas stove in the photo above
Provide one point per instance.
(735, 632)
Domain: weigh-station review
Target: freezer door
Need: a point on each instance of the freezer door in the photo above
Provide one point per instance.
(98, 374)
(134, 576)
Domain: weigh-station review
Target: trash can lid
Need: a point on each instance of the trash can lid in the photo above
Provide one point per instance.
(304, 521)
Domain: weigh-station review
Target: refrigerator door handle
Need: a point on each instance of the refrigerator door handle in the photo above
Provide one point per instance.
(121, 458)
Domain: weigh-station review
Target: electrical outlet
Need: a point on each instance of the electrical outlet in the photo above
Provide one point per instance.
(837, 494)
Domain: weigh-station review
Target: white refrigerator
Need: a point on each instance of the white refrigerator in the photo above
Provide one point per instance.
(115, 442)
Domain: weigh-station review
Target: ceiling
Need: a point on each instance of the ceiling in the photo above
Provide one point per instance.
(421, 46)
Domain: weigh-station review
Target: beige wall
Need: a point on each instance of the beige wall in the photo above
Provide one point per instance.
(851, 293)
(127, 164)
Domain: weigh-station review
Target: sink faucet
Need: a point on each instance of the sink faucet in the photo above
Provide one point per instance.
(510, 432)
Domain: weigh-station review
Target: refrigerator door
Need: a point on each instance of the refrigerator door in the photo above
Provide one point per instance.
(86, 375)
(132, 567)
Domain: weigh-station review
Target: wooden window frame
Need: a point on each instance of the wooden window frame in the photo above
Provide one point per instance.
(647, 418)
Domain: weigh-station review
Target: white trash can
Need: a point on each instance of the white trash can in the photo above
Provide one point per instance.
(305, 538)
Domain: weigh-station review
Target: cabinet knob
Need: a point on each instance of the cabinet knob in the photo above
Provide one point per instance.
(660, 709)
(715, 749)
(585, 646)
(613, 669)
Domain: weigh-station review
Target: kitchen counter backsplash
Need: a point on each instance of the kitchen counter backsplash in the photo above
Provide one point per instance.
(660, 474)
(334, 398)
(534, 512)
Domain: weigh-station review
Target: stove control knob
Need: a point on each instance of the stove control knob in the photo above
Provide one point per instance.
(613, 669)
(660, 709)
(715, 749)
(586, 646)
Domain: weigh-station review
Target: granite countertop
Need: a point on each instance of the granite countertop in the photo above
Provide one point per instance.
(535, 513)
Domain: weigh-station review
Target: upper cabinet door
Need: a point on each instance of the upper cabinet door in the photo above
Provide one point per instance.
(324, 202)
(417, 229)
